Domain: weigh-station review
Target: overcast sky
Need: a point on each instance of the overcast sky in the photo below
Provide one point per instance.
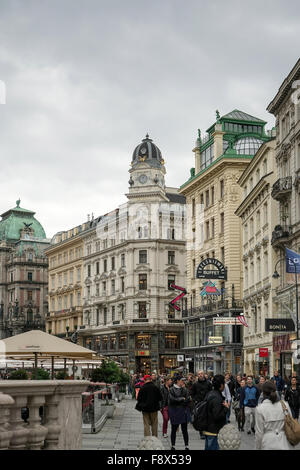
(86, 80)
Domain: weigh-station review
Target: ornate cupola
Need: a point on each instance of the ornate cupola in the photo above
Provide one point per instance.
(147, 172)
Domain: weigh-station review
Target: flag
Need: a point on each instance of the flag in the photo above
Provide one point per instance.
(292, 261)
(242, 320)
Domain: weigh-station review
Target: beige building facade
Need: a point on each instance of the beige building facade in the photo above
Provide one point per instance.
(258, 215)
(65, 280)
(285, 106)
(214, 232)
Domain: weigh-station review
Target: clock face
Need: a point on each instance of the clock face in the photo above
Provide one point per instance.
(143, 179)
(143, 151)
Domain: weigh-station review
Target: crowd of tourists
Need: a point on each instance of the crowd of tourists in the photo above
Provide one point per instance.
(258, 403)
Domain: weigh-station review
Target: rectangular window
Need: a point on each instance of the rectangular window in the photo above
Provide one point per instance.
(201, 199)
(123, 260)
(97, 267)
(105, 316)
(143, 281)
(122, 284)
(89, 270)
(71, 300)
(88, 292)
(171, 257)
(78, 299)
(29, 295)
(105, 265)
(29, 276)
(142, 310)
(171, 280)
(113, 286)
(78, 274)
(113, 265)
(71, 277)
(97, 290)
(53, 282)
(212, 192)
(222, 254)
(104, 287)
(113, 313)
(142, 256)
(212, 227)
(193, 207)
(207, 198)
(221, 189)
(222, 224)
(207, 230)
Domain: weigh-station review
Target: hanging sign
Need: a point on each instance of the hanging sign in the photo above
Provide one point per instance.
(279, 324)
(173, 302)
(203, 272)
(263, 352)
(210, 289)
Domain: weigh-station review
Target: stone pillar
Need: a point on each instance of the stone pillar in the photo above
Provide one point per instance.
(218, 141)
(5, 433)
(20, 432)
(51, 422)
(37, 432)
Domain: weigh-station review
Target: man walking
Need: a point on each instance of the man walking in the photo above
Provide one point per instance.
(199, 390)
(248, 402)
(216, 413)
(148, 402)
(279, 382)
(165, 388)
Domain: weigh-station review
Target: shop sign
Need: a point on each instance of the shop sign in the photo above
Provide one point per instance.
(279, 324)
(226, 321)
(281, 343)
(188, 359)
(219, 273)
(237, 352)
(142, 353)
(263, 352)
(180, 357)
(215, 339)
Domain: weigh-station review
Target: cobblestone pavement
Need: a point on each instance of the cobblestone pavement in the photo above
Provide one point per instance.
(125, 431)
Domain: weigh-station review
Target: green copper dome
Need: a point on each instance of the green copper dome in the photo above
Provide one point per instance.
(19, 222)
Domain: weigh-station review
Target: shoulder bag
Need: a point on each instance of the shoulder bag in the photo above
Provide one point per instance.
(291, 426)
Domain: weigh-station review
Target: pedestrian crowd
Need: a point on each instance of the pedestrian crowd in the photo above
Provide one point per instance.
(259, 404)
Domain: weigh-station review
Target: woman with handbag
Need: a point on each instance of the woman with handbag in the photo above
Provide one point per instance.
(270, 421)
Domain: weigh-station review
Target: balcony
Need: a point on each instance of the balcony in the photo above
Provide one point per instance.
(214, 307)
(58, 429)
(280, 235)
(282, 188)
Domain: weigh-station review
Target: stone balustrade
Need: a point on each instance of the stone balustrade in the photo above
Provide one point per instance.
(60, 426)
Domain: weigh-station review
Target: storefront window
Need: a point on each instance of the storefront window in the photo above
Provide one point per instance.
(112, 342)
(122, 342)
(171, 313)
(143, 341)
(171, 341)
(104, 343)
(142, 310)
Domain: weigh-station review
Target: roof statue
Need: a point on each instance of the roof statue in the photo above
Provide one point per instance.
(217, 115)
(18, 202)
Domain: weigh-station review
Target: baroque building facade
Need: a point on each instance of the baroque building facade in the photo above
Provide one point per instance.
(258, 215)
(214, 233)
(285, 106)
(23, 272)
(131, 258)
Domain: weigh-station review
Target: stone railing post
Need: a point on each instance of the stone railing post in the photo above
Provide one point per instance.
(18, 427)
(51, 422)
(5, 433)
(37, 432)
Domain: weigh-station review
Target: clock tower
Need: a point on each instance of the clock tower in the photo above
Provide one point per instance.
(147, 173)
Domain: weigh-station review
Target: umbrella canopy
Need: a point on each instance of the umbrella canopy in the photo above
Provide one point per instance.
(38, 342)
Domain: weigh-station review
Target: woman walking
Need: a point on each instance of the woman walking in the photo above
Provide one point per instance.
(179, 410)
(292, 396)
(269, 422)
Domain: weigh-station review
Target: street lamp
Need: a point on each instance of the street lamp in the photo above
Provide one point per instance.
(276, 276)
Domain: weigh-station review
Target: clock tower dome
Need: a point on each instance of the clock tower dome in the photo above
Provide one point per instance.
(147, 172)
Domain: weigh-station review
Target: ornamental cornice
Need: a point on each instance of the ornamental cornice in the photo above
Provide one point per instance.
(172, 269)
(88, 281)
(112, 274)
(104, 277)
(143, 268)
(122, 271)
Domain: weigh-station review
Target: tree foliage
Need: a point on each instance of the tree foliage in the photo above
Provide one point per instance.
(109, 372)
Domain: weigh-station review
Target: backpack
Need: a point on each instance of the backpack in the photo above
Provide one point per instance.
(291, 426)
(200, 416)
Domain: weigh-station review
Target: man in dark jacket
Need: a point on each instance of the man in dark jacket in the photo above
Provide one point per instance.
(248, 402)
(199, 390)
(279, 382)
(148, 402)
(216, 413)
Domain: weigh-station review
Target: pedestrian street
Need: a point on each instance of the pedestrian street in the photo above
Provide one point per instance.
(125, 431)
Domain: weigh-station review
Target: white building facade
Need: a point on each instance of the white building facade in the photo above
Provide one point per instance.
(131, 257)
